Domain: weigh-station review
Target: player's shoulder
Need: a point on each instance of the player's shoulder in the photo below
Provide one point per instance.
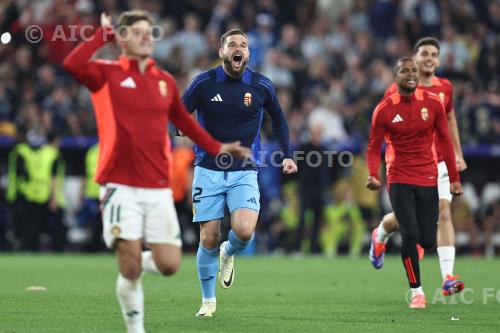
(259, 78)
(163, 73)
(262, 81)
(444, 83)
(391, 98)
(199, 79)
(391, 89)
(430, 95)
(203, 75)
(385, 104)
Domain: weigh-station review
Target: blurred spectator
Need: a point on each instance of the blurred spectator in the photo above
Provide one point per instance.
(165, 44)
(261, 39)
(342, 218)
(313, 42)
(5, 106)
(182, 178)
(36, 175)
(275, 71)
(190, 40)
(382, 15)
(89, 216)
(427, 19)
(328, 120)
(14, 194)
(453, 54)
(465, 224)
(368, 202)
(291, 56)
(313, 182)
(358, 19)
(58, 113)
(490, 216)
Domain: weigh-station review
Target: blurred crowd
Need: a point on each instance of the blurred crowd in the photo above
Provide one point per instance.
(330, 61)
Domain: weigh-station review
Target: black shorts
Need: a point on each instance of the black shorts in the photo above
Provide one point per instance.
(417, 211)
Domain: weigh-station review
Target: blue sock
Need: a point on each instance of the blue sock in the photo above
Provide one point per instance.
(235, 244)
(208, 266)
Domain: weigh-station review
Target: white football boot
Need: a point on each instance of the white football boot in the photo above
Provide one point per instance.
(226, 267)
(207, 309)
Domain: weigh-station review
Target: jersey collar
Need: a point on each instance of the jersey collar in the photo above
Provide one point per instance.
(221, 76)
(132, 64)
(417, 95)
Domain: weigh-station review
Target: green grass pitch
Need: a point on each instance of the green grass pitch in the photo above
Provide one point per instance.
(270, 294)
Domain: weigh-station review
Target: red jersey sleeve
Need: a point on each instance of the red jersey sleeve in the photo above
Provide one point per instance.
(444, 141)
(377, 133)
(80, 65)
(185, 122)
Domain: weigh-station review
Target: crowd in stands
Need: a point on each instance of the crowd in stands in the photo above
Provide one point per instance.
(330, 61)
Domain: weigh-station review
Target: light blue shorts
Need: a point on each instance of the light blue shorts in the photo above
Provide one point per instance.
(213, 189)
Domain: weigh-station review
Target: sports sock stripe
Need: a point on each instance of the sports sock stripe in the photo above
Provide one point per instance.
(410, 271)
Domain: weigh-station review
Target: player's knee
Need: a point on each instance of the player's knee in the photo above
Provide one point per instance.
(131, 270)
(409, 237)
(169, 268)
(244, 233)
(428, 242)
(210, 239)
(444, 212)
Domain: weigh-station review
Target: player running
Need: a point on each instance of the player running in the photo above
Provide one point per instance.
(409, 119)
(426, 54)
(230, 101)
(133, 101)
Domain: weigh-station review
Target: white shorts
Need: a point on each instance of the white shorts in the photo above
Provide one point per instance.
(443, 182)
(134, 213)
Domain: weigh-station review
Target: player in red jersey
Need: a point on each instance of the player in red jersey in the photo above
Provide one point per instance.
(133, 101)
(409, 119)
(426, 54)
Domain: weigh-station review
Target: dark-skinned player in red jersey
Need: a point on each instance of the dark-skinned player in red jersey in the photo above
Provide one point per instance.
(426, 55)
(409, 119)
(133, 101)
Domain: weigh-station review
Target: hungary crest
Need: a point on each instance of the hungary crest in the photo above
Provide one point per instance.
(247, 99)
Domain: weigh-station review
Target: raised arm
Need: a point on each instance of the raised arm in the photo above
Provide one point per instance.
(79, 64)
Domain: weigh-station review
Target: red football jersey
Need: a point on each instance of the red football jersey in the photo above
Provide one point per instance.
(132, 112)
(441, 87)
(409, 123)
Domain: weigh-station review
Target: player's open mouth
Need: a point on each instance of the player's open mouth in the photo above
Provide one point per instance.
(411, 81)
(237, 60)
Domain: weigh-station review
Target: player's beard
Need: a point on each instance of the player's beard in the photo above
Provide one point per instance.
(228, 66)
(407, 90)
